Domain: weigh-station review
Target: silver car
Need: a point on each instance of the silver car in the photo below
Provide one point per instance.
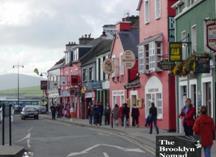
(29, 112)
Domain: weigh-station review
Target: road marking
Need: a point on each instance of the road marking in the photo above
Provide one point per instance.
(85, 151)
(105, 154)
(27, 138)
(51, 139)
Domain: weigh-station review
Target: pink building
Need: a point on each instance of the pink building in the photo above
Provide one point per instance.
(158, 86)
(126, 38)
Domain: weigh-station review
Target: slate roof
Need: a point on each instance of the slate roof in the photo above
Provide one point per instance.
(130, 40)
(103, 46)
(58, 64)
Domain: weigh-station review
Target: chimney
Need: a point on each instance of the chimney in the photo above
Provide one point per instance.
(85, 39)
(69, 45)
(128, 23)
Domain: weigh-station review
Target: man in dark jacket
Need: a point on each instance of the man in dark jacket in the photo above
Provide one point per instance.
(53, 111)
(153, 115)
(107, 115)
(205, 129)
(125, 115)
(135, 116)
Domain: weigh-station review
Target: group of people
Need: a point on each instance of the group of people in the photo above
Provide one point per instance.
(95, 114)
(202, 126)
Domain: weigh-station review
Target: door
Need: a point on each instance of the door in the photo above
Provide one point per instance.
(207, 97)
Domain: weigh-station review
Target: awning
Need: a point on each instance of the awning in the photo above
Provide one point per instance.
(156, 38)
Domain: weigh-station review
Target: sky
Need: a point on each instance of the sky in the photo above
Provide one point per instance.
(33, 33)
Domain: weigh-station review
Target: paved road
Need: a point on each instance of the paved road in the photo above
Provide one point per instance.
(55, 139)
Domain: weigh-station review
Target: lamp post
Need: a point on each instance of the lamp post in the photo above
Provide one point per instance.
(18, 66)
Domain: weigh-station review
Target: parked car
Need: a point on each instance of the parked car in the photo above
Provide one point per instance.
(29, 112)
(42, 109)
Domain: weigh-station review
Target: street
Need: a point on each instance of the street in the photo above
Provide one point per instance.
(56, 139)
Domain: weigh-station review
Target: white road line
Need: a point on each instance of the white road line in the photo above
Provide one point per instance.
(105, 154)
(85, 151)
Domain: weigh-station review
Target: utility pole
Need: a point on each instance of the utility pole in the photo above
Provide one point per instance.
(18, 66)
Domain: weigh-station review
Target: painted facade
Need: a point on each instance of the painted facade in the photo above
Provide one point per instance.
(158, 86)
(191, 27)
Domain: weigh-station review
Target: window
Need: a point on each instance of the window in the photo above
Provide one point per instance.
(157, 9)
(146, 56)
(194, 38)
(159, 105)
(90, 74)
(146, 11)
(104, 75)
(184, 46)
(141, 59)
(84, 75)
(76, 55)
(121, 65)
(99, 69)
(151, 56)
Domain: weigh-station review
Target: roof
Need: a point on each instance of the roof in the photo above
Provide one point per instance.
(103, 46)
(58, 64)
(130, 40)
(139, 5)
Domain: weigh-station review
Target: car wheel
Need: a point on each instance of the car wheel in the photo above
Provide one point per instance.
(36, 117)
(23, 118)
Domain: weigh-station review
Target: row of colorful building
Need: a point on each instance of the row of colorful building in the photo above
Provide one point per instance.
(173, 61)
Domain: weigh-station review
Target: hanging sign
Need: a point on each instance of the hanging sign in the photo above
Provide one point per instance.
(175, 51)
(108, 67)
(129, 59)
(211, 34)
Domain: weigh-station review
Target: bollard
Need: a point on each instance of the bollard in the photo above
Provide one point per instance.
(3, 124)
(10, 127)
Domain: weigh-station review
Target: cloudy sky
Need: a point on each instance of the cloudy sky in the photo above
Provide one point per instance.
(34, 32)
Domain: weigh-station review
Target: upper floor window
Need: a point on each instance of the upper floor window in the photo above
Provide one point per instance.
(76, 55)
(194, 38)
(184, 38)
(121, 65)
(104, 75)
(84, 75)
(146, 11)
(157, 9)
(150, 56)
(90, 74)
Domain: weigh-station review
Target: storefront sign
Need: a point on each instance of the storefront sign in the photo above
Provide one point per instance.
(44, 85)
(211, 35)
(128, 59)
(166, 65)
(202, 64)
(108, 67)
(118, 93)
(89, 95)
(175, 51)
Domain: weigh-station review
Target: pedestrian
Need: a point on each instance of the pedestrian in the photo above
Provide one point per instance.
(107, 115)
(90, 113)
(125, 115)
(204, 127)
(115, 113)
(153, 120)
(1, 113)
(188, 114)
(97, 112)
(101, 113)
(135, 116)
(72, 112)
(53, 111)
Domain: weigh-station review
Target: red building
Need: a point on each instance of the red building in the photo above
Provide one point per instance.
(158, 86)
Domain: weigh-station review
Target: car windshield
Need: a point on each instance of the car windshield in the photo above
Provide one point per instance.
(29, 109)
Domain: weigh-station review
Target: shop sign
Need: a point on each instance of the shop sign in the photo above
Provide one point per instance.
(108, 67)
(175, 51)
(118, 93)
(128, 59)
(202, 64)
(211, 35)
(166, 65)
(43, 85)
(89, 95)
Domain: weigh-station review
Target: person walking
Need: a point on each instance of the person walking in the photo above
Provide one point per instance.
(188, 114)
(91, 113)
(53, 111)
(153, 113)
(125, 115)
(97, 113)
(107, 115)
(101, 113)
(204, 127)
(115, 113)
(135, 116)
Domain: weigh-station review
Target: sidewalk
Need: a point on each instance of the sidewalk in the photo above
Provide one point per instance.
(141, 135)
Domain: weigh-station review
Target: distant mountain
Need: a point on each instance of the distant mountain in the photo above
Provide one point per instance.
(9, 81)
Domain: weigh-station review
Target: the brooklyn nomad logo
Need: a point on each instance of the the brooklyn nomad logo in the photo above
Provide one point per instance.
(177, 146)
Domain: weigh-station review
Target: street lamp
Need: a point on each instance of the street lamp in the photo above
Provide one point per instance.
(18, 83)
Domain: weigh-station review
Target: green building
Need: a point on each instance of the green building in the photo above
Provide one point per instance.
(196, 80)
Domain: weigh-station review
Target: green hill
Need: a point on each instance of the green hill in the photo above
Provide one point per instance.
(27, 91)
